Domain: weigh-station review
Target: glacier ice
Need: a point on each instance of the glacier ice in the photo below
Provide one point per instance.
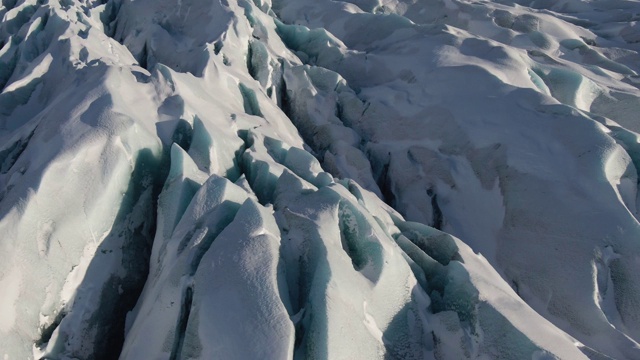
(331, 180)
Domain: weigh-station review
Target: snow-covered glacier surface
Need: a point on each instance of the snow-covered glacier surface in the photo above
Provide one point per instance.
(319, 179)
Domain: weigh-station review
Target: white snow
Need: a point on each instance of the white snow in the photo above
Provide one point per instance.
(10, 284)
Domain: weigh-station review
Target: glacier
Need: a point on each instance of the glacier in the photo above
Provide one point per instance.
(319, 179)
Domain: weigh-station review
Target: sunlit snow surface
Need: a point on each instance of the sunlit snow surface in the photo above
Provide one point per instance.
(222, 179)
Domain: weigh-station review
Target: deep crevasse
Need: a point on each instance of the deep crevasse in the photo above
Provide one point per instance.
(180, 177)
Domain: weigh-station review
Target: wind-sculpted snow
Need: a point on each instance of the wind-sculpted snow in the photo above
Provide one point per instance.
(314, 179)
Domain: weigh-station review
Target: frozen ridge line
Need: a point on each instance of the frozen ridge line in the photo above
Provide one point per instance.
(315, 179)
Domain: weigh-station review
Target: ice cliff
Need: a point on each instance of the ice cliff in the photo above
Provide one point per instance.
(319, 179)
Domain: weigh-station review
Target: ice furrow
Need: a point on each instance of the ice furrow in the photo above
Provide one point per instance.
(183, 320)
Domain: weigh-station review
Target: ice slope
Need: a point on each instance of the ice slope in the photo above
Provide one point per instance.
(523, 166)
(235, 179)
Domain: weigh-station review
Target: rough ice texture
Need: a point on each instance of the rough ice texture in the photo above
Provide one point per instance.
(313, 179)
